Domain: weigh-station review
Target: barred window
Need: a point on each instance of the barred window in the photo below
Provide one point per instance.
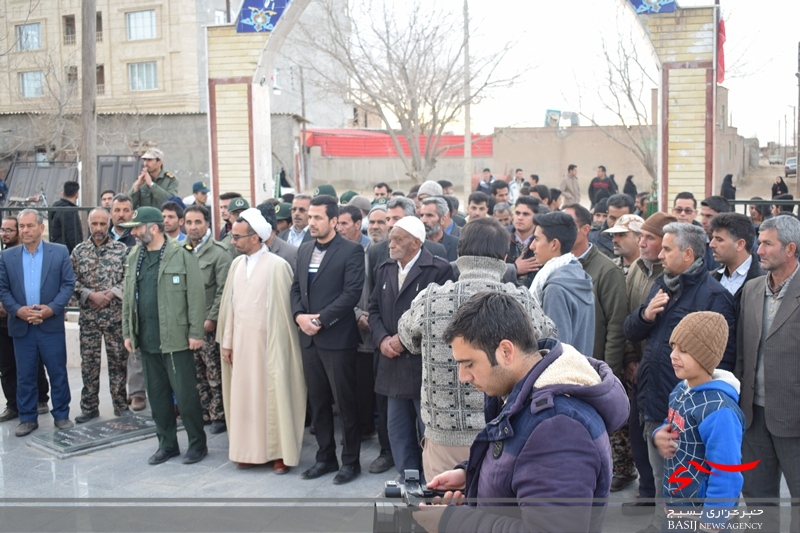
(29, 36)
(143, 76)
(141, 25)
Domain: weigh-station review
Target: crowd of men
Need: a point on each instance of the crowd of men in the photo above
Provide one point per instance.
(399, 316)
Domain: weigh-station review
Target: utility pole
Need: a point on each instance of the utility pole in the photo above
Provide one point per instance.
(796, 143)
(467, 100)
(88, 100)
(785, 140)
(304, 175)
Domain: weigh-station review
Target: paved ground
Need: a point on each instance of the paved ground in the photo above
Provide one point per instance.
(123, 471)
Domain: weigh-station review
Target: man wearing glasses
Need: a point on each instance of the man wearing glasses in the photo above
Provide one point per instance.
(298, 233)
(685, 208)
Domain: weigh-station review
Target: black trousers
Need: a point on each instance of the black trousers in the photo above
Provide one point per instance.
(365, 392)
(647, 484)
(8, 372)
(331, 376)
(383, 410)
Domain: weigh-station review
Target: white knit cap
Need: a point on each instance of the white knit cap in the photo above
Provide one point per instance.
(257, 221)
(413, 226)
(431, 188)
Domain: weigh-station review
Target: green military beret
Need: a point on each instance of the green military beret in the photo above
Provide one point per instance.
(325, 189)
(379, 201)
(347, 196)
(144, 215)
(238, 204)
(283, 211)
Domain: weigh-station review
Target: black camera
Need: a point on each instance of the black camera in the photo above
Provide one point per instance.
(397, 517)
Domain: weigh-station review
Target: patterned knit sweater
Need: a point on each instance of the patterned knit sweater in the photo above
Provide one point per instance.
(453, 411)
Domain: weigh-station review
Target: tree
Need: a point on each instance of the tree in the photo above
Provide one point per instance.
(625, 91)
(404, 63)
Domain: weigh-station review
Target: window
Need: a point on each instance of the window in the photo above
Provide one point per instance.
(31, 84)
(99, 29)
(69, 29)
(72, 75)
(219, 17)
(29, 36)
(143, 76)
(141, 25)
(101, 80)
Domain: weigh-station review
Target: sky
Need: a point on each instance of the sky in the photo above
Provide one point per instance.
(558, 57)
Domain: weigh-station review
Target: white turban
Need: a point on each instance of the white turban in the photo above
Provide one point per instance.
(413, 226)
(257, 221)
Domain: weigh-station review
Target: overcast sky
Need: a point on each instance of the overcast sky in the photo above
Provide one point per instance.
(558, 48)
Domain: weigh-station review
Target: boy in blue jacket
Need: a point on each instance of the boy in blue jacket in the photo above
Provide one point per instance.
(701, 439)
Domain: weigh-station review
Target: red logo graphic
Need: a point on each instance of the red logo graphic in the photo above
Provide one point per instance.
(684, 481)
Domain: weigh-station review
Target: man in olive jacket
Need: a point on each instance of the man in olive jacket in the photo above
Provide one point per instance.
(163, 309)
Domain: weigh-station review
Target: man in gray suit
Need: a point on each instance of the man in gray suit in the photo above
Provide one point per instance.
(769, 369)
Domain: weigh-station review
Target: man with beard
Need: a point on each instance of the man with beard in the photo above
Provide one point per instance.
(121, 211)
(297, 233)
(163, 311)
(431, 213)
(9, 233)
(399, 280)
(215, 260)
(99, 265)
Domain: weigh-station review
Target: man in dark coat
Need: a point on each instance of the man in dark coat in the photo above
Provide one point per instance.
(65, 226)
(398, 281)
(548, 409)
(684, 287)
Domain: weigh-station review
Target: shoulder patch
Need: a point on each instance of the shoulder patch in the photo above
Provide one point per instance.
(169, 175)
(188, 247)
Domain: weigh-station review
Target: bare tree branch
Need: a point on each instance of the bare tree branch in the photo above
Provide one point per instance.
(402, 62)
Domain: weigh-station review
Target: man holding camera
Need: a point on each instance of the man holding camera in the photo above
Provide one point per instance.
(549, 410)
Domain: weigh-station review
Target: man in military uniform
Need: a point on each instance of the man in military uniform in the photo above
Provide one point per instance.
(163, 309)
(154, 185)
(99, 265)
(215, 260)
(235, 208)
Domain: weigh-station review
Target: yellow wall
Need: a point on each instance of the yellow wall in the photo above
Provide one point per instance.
(232, 56)
(685, 36)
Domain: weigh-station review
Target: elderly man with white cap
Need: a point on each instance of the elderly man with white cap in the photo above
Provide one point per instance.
(262, 377)
(408, 271)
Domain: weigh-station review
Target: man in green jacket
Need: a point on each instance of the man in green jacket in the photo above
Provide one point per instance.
(163, 309)
(153, 185)
(215, 261)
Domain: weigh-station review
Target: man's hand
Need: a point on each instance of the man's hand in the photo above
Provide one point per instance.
(128, 345)
(98, 300)
(45, 312)
(397, 346)
(666, 440)
(449, 480)
(656, 305)
(629, 373)
(304, 321)
(525, 266)
(386, 348)
(25, 312)
(148, 179)
(209, 326)
(363, 322)
(3, 312)
(140, 179)
(227, 355)
(195, 344)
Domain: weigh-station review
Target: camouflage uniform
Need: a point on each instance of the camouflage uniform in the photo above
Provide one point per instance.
(215, 260)
(101, 268)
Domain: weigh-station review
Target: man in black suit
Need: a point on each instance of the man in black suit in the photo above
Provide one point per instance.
(732, 238)
(431, 214)
(327, 286)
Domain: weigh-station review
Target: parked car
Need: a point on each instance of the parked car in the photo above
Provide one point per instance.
(790, 169)
(774, 160)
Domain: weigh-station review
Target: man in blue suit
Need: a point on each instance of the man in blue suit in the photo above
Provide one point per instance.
(36, 282)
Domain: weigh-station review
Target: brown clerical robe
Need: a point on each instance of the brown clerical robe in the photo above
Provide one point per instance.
(264, 389)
